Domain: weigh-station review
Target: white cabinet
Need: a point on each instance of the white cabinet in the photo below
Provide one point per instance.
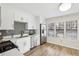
(21, 16)
(34, 40)
(26, 44)
(38, 39)
(23, 44)
(32, 23)
(21, 19)
(6, 18)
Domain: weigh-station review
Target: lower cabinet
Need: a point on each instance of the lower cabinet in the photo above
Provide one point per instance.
(34, 41)
(23, 44)
(38, 39)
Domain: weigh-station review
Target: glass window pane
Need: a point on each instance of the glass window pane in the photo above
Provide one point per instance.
(51, 29)
(60, 29)
(71, 30)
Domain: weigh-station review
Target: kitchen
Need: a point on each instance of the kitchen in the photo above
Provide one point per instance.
(21, 29)
(39, 29)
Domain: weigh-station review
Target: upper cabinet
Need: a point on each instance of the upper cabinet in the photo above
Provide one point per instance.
(21, 16)
(8, 15)
(6, 18)
(32, 23)
(21, 19)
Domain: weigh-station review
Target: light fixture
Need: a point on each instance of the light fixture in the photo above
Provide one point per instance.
(65, 6)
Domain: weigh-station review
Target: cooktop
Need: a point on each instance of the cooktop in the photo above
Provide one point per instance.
(6, 45)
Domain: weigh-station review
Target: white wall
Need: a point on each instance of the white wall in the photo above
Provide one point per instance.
(42, 20)
(64, 41)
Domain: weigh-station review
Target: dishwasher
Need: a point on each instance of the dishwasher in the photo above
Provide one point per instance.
(33, 41)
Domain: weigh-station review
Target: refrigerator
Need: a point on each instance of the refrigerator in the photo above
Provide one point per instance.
(43, 38)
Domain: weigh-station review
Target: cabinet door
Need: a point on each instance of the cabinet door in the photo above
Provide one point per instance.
(7, 18)
(35, 41)
(26, 44)
(38, 40)
(20, 19)
(19, 43)
(32, 42)
(23, 44)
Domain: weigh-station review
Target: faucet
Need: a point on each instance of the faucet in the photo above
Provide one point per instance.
(22, 32)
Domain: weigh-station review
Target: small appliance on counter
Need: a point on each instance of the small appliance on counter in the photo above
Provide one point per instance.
(24, 33)
(32, 31)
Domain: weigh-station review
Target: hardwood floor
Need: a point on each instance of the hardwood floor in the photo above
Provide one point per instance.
(48, 49)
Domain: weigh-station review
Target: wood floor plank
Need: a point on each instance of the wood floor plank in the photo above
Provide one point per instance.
(48, 49)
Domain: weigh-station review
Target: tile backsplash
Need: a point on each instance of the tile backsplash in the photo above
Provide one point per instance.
(6, 32)
(12, 32)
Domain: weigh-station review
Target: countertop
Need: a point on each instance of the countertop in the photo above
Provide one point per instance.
(6, 38)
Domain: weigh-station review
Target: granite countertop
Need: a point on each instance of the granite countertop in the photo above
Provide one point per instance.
(6, 38)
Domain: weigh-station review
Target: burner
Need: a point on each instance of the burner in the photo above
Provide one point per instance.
(6, 45)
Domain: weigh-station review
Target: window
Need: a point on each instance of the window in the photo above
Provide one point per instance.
(60, 29)
(71, 29)
(51, 29)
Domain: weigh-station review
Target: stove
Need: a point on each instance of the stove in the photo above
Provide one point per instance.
(6, 45)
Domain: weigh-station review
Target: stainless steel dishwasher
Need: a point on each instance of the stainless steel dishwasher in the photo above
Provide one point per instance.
(33, 41)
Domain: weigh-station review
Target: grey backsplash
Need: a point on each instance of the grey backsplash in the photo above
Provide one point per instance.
(19, 28)
(6, 32)
(12, 32)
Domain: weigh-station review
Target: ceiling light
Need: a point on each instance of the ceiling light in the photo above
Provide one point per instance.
(65, 6)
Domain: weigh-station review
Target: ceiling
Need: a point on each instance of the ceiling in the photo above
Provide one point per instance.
(45, 10)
